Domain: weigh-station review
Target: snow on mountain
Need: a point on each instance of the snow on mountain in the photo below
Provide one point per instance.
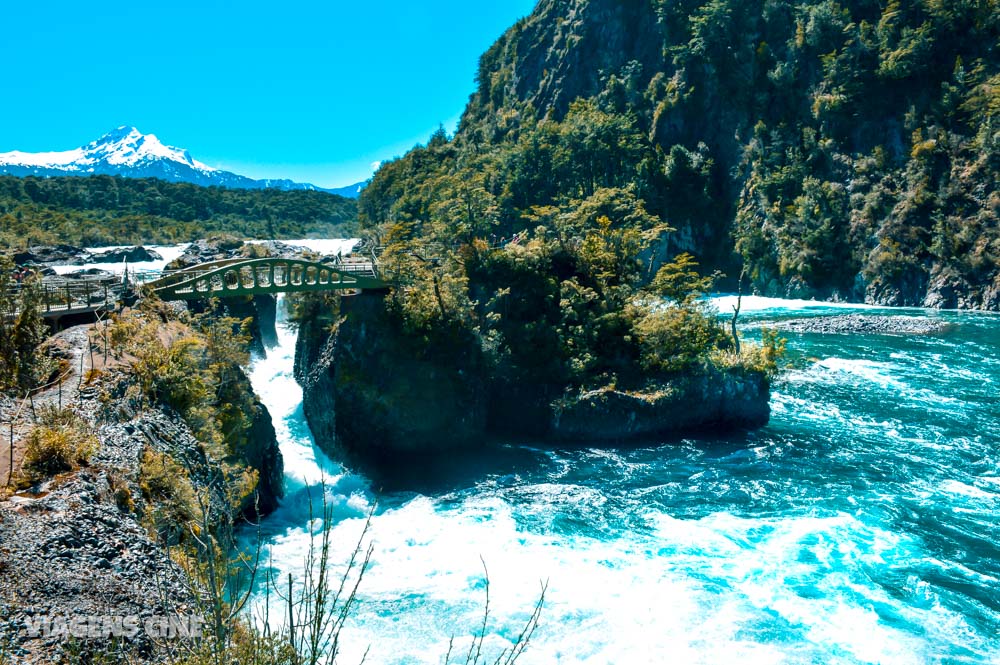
(124, 147)
(128, 152)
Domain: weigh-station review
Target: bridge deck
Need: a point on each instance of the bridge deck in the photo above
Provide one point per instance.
(59, 297)
(248, 277)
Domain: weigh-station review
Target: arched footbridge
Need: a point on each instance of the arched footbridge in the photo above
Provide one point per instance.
(248, 277)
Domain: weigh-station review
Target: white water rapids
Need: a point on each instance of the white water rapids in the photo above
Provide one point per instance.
(834, 535)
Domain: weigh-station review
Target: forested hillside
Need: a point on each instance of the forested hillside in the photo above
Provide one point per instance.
(831, 149)
(105, 210)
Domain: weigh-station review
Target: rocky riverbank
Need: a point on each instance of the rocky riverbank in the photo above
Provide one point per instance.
(72, 551)
(864, 324)
(91, 542)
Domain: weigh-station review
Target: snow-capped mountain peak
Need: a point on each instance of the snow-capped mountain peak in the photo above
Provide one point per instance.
(123, 147)
(127, 152)
(127, 146)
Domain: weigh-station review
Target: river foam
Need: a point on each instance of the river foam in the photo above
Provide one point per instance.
(859, 527)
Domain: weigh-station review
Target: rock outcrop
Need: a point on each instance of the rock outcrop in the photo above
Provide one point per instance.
(220, 249)
(264, 455)
(90, 543)
(204, 251)
(130, 254)
(371, 397)
(71, 255)
(719, 400)
(49, 255)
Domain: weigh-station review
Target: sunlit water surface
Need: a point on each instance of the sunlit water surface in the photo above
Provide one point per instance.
(861, 526)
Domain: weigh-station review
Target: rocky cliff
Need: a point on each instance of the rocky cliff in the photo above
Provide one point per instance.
(375, 397)
(846, 150)
(91, 542)
(372, 394)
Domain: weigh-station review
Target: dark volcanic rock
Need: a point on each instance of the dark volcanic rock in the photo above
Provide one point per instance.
(949, 290)
(50, 255)
(130, 254)
(204, 251)
(369, 394)
(264, 455)
(267, 318)
(73, 552)
(864, 324)
(220, 249)
(89, 272)
(714, 400)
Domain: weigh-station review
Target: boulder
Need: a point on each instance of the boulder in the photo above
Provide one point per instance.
(89, 272)
(50, 255)
(130, 254)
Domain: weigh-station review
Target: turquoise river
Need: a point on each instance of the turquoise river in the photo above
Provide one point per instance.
(861, 526)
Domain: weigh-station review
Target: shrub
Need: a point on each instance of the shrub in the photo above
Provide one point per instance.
(22, 331)
(675, 338)
(121, 492)
(63, 441)
(767, 356)
(167, 487)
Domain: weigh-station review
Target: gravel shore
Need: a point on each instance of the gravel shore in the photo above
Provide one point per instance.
(864, 324)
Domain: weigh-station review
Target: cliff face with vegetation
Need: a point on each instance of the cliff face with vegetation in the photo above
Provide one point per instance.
(380, 396)
(832, 149)
(377, 397)
(544, 261)
(131, 485)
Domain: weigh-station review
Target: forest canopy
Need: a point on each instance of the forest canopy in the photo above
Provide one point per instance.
(846, 149)
(106, 210)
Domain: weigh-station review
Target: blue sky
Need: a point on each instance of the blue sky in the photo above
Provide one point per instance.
(303, 89)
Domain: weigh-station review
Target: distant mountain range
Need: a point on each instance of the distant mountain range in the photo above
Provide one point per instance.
(129, 153)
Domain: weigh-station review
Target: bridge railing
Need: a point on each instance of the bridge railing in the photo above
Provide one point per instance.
(245, 277)
(68, 295)
(62, 295)
(85, 293)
